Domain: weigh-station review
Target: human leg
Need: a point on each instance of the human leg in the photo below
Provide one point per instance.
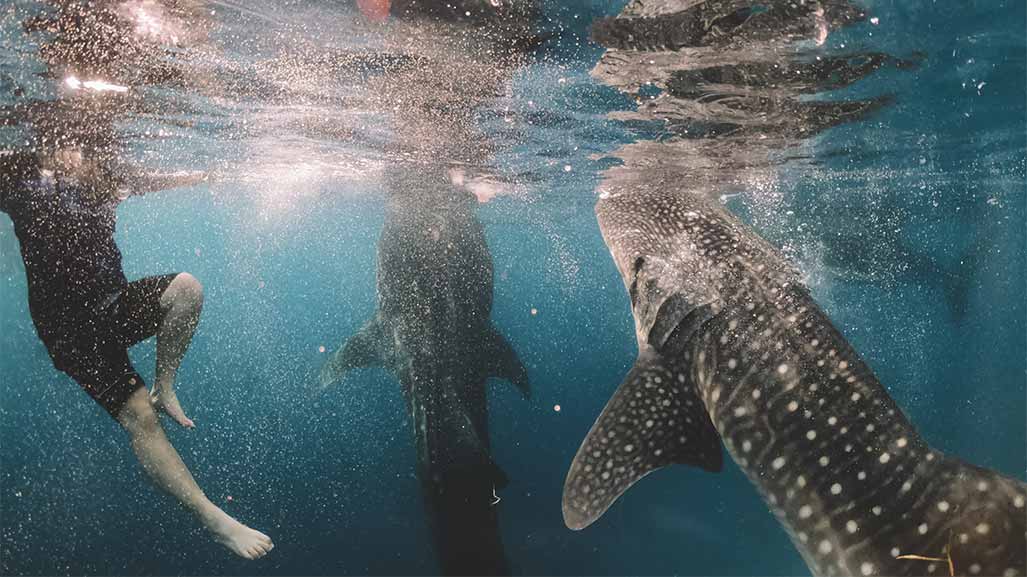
(166, 469)
(105, 372)
(167, 306)
(181, 304)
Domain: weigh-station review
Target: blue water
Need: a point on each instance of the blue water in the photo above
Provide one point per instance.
(940, 174)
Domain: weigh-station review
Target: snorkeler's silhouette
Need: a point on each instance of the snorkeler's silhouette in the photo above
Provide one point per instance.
(62, 195)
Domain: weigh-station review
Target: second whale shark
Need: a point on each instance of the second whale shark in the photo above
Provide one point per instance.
(733, 348)
(433, 331)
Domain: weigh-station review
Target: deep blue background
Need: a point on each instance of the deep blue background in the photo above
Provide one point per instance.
(940, 174)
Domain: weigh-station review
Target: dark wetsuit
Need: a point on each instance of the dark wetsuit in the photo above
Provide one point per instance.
(85, 310)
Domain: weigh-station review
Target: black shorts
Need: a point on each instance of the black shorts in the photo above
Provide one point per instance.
(95, 352)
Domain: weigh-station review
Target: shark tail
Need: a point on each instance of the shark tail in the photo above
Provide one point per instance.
(655, 419)
(463, 517)
(983, 517)
(461, 490)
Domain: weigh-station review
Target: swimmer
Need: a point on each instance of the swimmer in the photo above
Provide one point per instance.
(87, 313)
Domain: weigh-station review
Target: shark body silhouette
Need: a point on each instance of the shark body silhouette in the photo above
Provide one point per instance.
(732, 347)
(433, 331)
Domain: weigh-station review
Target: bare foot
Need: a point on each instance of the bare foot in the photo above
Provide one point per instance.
(165, 399)
(239, 538)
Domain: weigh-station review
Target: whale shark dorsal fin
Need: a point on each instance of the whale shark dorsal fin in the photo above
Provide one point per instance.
(361, 350)
(655, 419)
(505, 364)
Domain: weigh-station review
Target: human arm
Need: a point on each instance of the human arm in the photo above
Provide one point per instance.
(143, 183)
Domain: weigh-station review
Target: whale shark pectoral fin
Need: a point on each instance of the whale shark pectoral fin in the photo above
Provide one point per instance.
(505, 364)
(363, 349)
(655, 419)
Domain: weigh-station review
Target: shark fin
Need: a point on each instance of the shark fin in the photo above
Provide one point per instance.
(361, 350)
(655, 419)
(505, 364)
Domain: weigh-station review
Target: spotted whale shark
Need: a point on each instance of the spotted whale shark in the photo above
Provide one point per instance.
(432, 330)
(733, 350)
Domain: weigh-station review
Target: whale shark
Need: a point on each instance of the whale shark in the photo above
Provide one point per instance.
(432, 330)
(453, 62)
(734, 350)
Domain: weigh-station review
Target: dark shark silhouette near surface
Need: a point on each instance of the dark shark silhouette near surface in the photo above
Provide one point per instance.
(732, 347)
(433, 331)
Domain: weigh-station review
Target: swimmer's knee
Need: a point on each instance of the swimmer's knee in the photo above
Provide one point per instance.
(188, 285)
(186, 290)
(138, 416)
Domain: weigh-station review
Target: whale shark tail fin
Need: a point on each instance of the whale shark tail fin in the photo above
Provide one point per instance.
(655, 419)
(361, 350)
(986, 531)
(505, 364)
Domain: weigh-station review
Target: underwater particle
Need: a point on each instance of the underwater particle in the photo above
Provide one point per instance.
(321, 349)
(875, 20)
(534, 312)
(197, 251)
(567, 168)
(229, 498)
(261, 284)
(556, 408)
